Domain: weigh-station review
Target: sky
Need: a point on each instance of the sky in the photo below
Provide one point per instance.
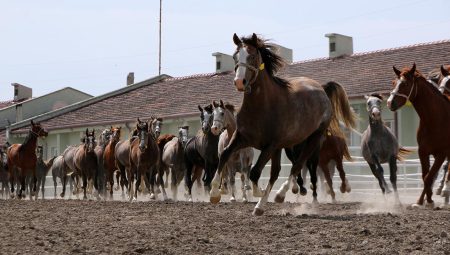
(92, 45)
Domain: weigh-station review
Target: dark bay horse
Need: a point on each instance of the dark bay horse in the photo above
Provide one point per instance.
(277, 113)
(42, 169)
(109, 160)
(85, 161)
(173, 159)
(4, 173)
(201, 152)
(241, 160)
(22, 160)
(379, 145)
(99, 151)
(433, 109)
(144, 158)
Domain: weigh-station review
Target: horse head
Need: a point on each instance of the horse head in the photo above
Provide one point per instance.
(373, 105)
(115, 134)
(444, 81)
(206, 117)
(89, 140)
(183, 133)
(142, 132)
(39, 152)
(218, 118)
(37, 130)
(105, 135)
(156, 125)
(404, 85)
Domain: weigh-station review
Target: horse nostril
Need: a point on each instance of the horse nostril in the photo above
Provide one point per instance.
(245, 82)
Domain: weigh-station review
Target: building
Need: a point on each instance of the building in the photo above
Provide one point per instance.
(176, 99)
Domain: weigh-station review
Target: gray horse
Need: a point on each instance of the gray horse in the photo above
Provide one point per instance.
(59, 171)
(379, 145)
(4, 173)
(173, 159)
(99, 150)
(69, 169)
(42, 169)
(241, 160)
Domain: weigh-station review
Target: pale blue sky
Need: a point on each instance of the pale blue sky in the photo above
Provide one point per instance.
(92, 45)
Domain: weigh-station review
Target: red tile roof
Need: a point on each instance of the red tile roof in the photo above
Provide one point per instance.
(360, 74)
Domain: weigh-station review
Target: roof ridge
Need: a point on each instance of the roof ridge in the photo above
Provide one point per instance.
(199, 75)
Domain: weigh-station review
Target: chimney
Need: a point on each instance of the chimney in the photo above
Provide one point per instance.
(224, 62)
(19, 114)
(285, 53)
(339, 45)
(21, 92)
(130, 78)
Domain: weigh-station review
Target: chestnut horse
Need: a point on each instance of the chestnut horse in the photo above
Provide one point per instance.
(433, 109)
(99, 150)
(241, 160)
(109, 160)
(144, 158)
(276, 114)
(22, 160)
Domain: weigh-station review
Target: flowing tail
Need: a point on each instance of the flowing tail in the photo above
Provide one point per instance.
(402, 153)
(346, 153)
(341, 107)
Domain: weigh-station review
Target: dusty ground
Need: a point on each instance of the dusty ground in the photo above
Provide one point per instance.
(76, 226)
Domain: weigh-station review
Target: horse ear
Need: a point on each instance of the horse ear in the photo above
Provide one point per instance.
(139, 121)
(396, 71)
(87, 132)
(413, 69)
(221, 104)
(236, 40)
(200, 108)
(255, 39)
(444, 71)
(366, 97)
(215, 104)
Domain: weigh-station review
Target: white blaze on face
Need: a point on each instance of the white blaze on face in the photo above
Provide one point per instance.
(241, 58)
(395, 91)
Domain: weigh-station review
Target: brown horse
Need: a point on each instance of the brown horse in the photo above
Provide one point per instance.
(162, 141)
(85, 161)
(277, 113)
(144, 158)
(434, 111)
(109, 160)
(22, 160)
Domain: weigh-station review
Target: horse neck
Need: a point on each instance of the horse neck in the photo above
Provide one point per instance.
(230, 122)
(427, 103)
(375, 125)
(262, 90)
(30, 142)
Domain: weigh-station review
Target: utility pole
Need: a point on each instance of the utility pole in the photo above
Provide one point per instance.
(160, 12)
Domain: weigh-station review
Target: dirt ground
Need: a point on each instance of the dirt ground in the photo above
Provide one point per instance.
(111, 227)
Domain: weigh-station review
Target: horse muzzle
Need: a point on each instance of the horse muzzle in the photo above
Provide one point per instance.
(215, 130)
(240, 84)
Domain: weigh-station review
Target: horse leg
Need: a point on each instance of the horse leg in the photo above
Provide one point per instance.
(85, 184)
(235, 144)
(375, 172)
(54, 185)
(424, 158)
(312, 166)
(43, 185)
(328, 179)
(393, 177)
(110, 177)
(138, 182)
(161, 181)
(64, 180)
(188, 177)
(345, 186)
(12, 177)
(232, 178)
(274, 172)
(442, 181)
(429, 178)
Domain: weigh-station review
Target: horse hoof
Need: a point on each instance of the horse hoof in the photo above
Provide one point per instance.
(247, 187)
(438, 191)
(429, 205)
(343, 189)
(215, 200)
(333, 201)
(445, 193)
(223, 191)
(348, 189)
(279, 198)
(232, 199)
(62, 195)
(416, 206)
(152, 196)
(258, 211)
(303, 191)
(244, 200)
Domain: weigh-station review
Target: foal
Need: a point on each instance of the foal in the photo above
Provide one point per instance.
(42, 169)
(379, 145)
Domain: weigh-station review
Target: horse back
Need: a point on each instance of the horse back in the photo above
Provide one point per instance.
(122, 152)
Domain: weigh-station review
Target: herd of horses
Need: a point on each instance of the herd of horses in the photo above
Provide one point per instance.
(298, 115)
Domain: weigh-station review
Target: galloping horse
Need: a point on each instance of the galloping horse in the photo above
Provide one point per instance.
(277, 113)
(162, 141)
(144, 157)
(4, 173)
(173, 159)
(85, 161)
(109, 160)
(434, 111)
(59, 170)
(99, 150)
(241, 160)
(379, 145)
(22, 160)
(42, 169)
(201, 152)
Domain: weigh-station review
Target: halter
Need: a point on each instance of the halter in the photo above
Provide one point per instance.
(36, 134)
(247, 87)
(442, 86)
(395, 92)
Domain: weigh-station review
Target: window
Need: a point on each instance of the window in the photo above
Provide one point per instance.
(218, 65)
(332, 47)
(54, 151)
